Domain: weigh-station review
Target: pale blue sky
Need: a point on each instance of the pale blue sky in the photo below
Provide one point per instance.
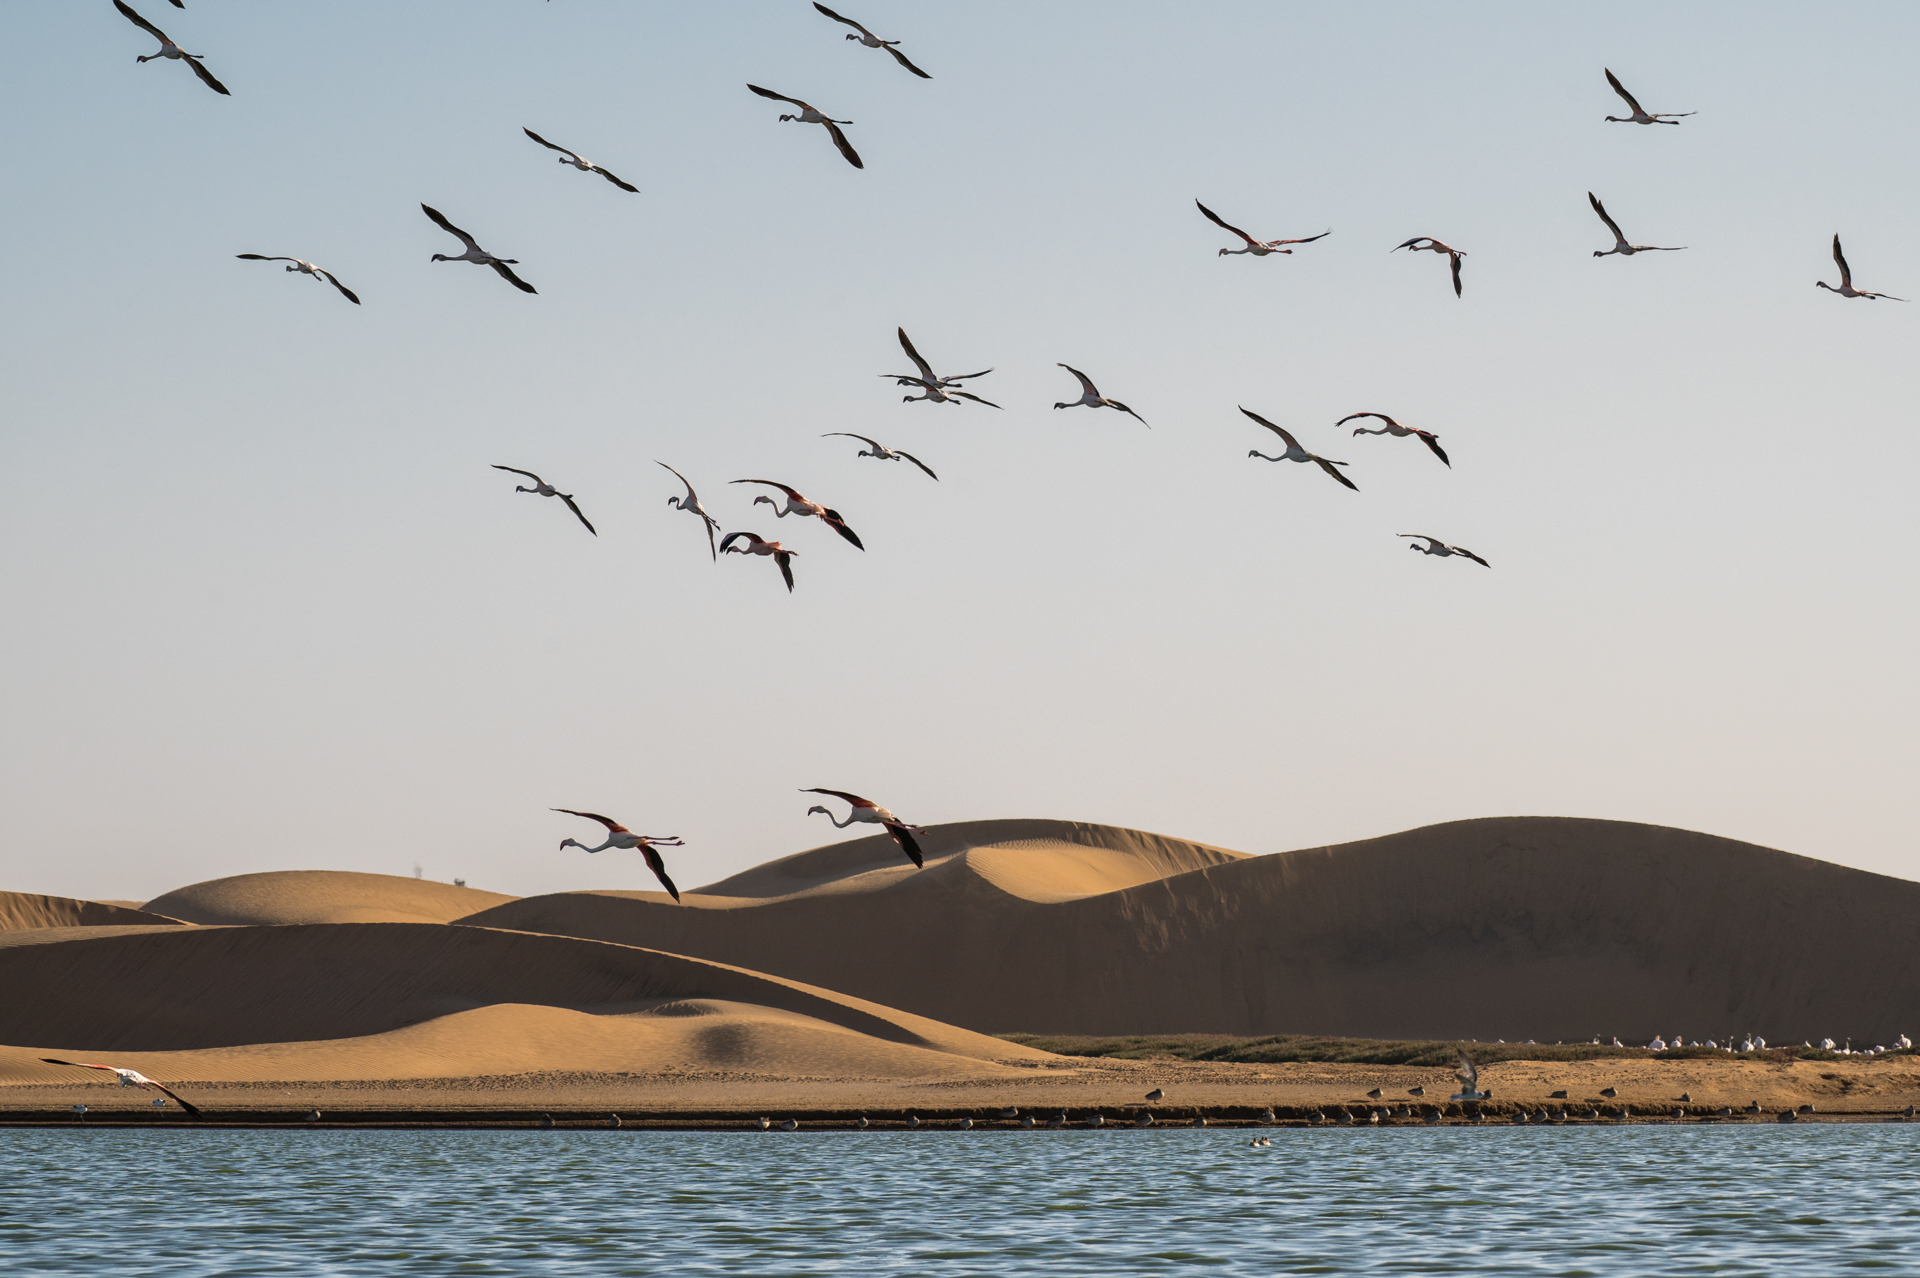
(268, 608)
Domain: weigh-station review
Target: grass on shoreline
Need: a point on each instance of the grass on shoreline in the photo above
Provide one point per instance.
(1281, 1048)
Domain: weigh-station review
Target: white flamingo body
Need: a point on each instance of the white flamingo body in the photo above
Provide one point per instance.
(1639, 116)
(691, 504)
(1620, 244)
(170, 50)
(877, 449)
(866, 810)
(1435, 546)
(795, 504)
(812, 115)
(619, 836)
(1846, 288)
(1258, 248)
(543, 489)
(474, 253)
(1090, 397)
(1295, 453)
(305, 268)
(757, 545)
(578, 161)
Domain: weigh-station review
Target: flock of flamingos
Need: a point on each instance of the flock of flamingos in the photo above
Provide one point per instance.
(932, 388)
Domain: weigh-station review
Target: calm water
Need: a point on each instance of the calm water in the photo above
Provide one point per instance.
(1633, 1200)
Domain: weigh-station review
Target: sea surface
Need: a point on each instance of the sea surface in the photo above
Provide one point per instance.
(1806, 1199)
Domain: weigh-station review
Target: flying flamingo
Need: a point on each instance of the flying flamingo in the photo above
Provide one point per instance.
(873, 41)
(1620, 244)
(691, 503)
(577, 162)
(1296, 453)
(544, 489)
(757, 546)
(1435, 546)
(619, 836)
(880, 450)
(1435, 246)
(305, 268)
(132, 1078)
(1090, 397)
(475, 254)
(1846, 288)
(808, 115)
(868, 810)
(798, 505)
(1259, 248)
(1639, 116)
(168, 49)
(1395, 429)
(939, 390)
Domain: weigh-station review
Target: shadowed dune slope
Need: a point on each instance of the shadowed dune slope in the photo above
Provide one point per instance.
(23, 911)
(322, 896)
(1508, 927)
(195, 988)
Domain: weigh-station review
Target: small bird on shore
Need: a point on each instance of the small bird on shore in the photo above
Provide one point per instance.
(868, 811)
(542, 488)
(1266, 1115)
(1258, 248)
(1374, 1094)
(1346, 1118)
(1620, 244)
(546, 1121)
(757, 545)
(1427, 437)
(313, 1116)
(1010, 1112)
(1156, 1094)
(1686, 1097)
(1608, 1092)
(789, 1125)
(1561, 1094)
(1427, 244)
(168, 49)
(1417, 1091)
(1295, 453)
(1469, 1075)
(305, 268)
(1200, 1120)
(128, 1078)
(1639, 116)
(966, 1124)
(1847, 289)
(571, 158)
(811, 115)
(79, 1109)
(1096, 1120)
(798, 505)
(619, 836)
(1058, 1120)
(1677, 1112)
(1725, 1111)
(1143, 1119)
(877, 449)
(872, 41)
(1435, 546)
(613, 1121)
(1026, 1121)
(861, 1122)
(913, 1120)
(1433, 1116)
(691, 504)
(474, 253)
(1090, 397)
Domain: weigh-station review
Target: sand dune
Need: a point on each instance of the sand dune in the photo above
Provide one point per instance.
(429, 1000)
(322, 896)
(1520, 927)
(21, 911)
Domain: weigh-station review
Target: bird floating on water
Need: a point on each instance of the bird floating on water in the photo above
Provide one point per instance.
(867, 810)
(305, 268)
(1435, 546)
(474, 253)
(691, 504)
(756, 545)
(798, 505)
(935, 389)
(809, 115)
(542, 488)
(1295, 453)
(1090, 397)
(168, 49)
(1259, 248)
(1620, 244)
(1639, 116)
(877, 449)
(129, 1078)
(1431, 245)
(577, 162)
(1846, 288)
(1427, 437)
(872, 41)
(619, 836)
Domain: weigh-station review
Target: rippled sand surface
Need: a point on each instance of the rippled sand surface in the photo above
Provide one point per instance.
(1820, 1199)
